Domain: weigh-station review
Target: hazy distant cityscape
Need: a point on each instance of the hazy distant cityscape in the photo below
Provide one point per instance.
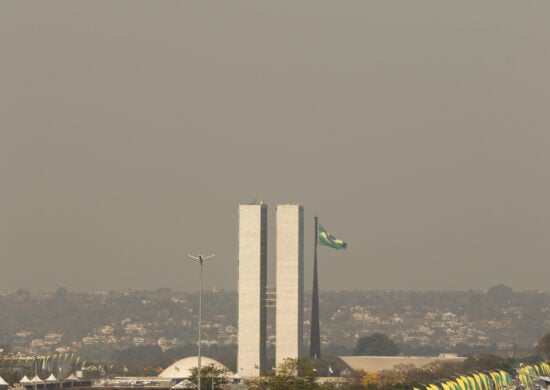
(99, 325)
(367, 180)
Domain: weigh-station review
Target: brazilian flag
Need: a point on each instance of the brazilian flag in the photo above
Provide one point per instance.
(326, 239)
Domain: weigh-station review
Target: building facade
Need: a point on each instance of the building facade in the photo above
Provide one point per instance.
(290, 282)
(252, 289)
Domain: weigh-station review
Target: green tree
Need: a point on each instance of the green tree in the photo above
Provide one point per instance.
(293, 374)
(500, 293)
(543, 346)
(211, 377)
(376, 344)
(485, 362)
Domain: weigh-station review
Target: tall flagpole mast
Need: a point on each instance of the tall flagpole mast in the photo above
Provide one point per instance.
(315, 336)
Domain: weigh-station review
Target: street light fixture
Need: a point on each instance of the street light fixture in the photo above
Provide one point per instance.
(201, 259)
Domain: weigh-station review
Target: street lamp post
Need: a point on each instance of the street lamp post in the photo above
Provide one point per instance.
(35, 372)
(201, 259)
(212, 365)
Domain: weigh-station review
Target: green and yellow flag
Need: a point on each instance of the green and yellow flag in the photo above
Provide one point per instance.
(326, 239)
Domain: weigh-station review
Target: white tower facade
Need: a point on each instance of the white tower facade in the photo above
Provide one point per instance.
(290, 282)
(252, 289)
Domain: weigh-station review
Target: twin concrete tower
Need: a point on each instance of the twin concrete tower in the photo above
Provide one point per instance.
(252, 286)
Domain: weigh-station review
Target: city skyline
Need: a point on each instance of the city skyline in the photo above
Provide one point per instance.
(418, 133)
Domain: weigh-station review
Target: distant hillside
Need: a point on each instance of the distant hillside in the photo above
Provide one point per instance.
(96, 325)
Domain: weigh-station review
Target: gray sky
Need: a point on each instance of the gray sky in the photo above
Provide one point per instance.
(416, 130)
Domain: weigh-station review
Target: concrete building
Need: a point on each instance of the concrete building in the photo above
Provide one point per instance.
(373, 364)
(290, 282)
(252, 289)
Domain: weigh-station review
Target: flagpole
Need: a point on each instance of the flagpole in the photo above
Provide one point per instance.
(315, 337)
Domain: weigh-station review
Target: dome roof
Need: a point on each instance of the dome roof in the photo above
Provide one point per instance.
(182, 368)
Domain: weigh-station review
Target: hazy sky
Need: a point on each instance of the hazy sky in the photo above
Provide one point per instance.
(418, 131)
